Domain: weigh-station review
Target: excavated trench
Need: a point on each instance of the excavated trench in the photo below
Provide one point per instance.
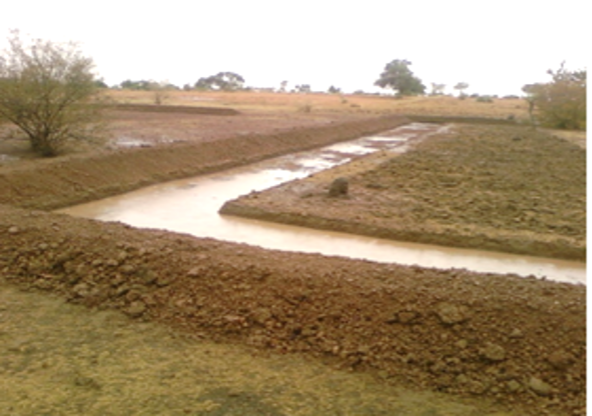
(517, 342)
(191, 206)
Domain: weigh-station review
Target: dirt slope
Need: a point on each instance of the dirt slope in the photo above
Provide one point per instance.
(64, 181)
(521, 341)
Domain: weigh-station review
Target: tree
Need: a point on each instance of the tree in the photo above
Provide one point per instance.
(141, 85)
(560, 103)
(333, 90)
(399, 77)
(305, 88)
(461, 87)
(47, 91)
(437, 89)
(100, 83)
(225, 81)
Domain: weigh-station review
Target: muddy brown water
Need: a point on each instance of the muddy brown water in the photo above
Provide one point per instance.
(191, 206)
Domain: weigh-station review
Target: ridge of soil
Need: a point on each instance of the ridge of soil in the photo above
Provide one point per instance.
(64, 359)
(151, 108)
(520, 342)
(517, 340)
(474, 186)
(64, 181)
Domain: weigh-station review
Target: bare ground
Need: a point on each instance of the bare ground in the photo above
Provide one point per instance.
(518, 342)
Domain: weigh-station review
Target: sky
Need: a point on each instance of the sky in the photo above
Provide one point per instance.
(494, 46)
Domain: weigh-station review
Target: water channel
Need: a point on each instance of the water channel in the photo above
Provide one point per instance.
(191, 206)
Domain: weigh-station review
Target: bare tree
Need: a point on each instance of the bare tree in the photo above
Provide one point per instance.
(47, 90)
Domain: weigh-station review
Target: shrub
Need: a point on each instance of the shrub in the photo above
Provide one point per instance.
(47, 91)
(560, 103)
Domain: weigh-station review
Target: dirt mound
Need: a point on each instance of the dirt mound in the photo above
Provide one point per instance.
(216, 111)
(60, 182)
(520, 341)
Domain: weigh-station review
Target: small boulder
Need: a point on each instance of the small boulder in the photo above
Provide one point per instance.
(560, 359)
(539, 386)
(339, 187)
(136, 309)
(451, 314)
(493, 352)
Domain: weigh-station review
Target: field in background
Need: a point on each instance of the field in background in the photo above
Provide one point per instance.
(249, 101)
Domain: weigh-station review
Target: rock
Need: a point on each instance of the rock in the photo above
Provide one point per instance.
(127, 269)
(162, 281)
(339, 187)
(513, 386)
(560, 359)
(462, 379)
(195, 272)
(81, 289)
(516, 333)
(451, 314)
(493, 352)
(136, 309)
(13, 230)
(82, 381)
(539, 386)
(261, 315)
(149, 277)
(462, 344)
(407, 317)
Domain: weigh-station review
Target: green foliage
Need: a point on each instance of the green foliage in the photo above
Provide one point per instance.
(225, 81)
(47, 91)
(560, 103)
(399, 77)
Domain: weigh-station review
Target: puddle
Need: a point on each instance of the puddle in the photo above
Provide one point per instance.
(131, 142)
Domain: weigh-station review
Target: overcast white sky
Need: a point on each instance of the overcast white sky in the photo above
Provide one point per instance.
(494, 46)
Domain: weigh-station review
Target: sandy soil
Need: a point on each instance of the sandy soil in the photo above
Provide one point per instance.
(519, 342)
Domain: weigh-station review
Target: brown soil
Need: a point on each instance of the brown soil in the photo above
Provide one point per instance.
(520, 342)
(502, 188)
(64, 359)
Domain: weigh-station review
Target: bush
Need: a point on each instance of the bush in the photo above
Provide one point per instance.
(47, 91)
(560, 103)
